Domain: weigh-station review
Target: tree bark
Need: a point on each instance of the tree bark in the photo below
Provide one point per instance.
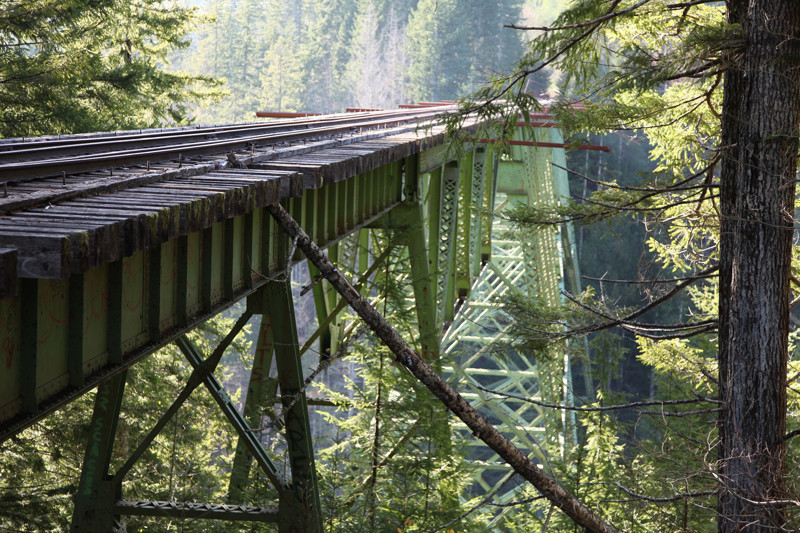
(760, 125)
(407, 357)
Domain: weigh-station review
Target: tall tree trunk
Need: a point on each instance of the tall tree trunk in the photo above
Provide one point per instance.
(760, 126)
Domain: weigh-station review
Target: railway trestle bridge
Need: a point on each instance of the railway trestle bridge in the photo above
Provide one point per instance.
(114, 245)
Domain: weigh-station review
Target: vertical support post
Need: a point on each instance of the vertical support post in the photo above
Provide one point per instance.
(182, 274)
(154, 294)
(445, 293)
(543, 268)
(462, 262)
(261, 392)
(114, 333)
(325, 301)
(206, 269)
(75, 331)
(228, 228)
(299, 510)
(408, 217)
(434, 231)
(489, 197)
(476, 219)
(94, 502)
(29, 320)
(247, 252)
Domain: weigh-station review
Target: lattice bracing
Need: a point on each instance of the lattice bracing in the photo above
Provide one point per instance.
(477, 348)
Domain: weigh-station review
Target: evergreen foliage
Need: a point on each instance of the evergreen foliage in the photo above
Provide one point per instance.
(326, 55)
(79, 66)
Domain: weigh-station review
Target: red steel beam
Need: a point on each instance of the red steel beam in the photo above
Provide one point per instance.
(539, 124)
(544, 144)
(284, 114)
(361, 109)
(422, 105)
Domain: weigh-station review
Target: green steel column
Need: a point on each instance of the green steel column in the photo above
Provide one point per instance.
(299, 508)
(462, 262)
(446, 244)
(544, 266)
(476, 217)
(408, 217)
(572, 274)
(261, 392)
(94, 502)
(489, 196)
(434, 203)
(325, 301)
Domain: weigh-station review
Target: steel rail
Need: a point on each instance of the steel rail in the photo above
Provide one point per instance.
(54, 166)
(30, 150)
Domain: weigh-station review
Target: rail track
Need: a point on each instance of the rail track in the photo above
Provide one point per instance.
(25, 160)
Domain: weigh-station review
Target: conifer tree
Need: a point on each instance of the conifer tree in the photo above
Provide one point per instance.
(79, 66)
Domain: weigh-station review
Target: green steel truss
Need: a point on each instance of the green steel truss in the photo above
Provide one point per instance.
(477, 349)
(461, 262)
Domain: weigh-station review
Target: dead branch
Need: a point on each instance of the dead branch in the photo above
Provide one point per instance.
(681, 496)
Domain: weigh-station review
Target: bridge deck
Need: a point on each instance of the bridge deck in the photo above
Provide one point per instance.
(99, 269)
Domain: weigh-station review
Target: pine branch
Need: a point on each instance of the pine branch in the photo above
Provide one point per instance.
(596, 22)
(679, 186)
(646, 281)
(617, 407)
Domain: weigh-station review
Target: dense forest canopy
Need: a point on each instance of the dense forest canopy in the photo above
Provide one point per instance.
(325, 55)
(77, 66)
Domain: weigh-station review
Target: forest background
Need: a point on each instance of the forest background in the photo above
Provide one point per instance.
(319, 56)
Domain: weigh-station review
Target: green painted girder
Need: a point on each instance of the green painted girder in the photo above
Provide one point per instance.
(96, 491)
(61, 337)
(300, 512)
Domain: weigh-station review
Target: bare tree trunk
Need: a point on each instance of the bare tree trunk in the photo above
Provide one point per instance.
(761, 121)
(480, 427)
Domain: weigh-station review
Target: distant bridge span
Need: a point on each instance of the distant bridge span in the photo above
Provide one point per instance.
(113, 245)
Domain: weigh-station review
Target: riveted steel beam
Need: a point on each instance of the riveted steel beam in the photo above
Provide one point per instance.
(299, 509)
(260, 397)
(96, 494)
(195, 511)
(446, 243)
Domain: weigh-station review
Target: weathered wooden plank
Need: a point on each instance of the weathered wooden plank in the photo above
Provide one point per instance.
(291, 182)
(312, 174)
(103, 233)
(8, 273)
(96, 183)
(40, 254)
